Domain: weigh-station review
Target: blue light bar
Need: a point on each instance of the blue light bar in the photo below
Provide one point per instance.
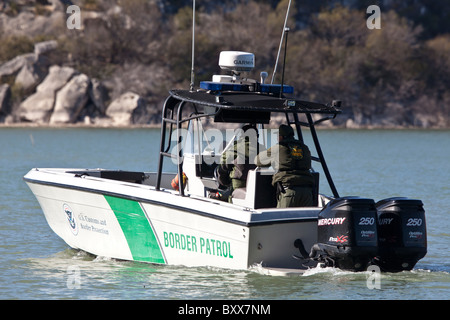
(276, 88)
(264, 88)
(220, 86)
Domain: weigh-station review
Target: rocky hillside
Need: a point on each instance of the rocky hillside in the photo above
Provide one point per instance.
(63, 95)
(116, 69)
(41, 87)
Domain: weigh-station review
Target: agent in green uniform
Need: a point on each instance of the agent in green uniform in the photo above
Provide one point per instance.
(291, 160)
(238, 160)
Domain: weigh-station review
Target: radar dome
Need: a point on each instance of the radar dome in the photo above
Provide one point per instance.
(236, 61)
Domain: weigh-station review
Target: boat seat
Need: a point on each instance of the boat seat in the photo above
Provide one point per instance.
(259, 191)
(265, 193)
(261, 194)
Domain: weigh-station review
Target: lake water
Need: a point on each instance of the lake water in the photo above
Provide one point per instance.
(36, 264)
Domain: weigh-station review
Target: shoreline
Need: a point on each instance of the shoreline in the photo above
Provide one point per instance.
(158, 126)
(79, 125)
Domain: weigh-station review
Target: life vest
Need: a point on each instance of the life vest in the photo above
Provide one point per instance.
(176, 184)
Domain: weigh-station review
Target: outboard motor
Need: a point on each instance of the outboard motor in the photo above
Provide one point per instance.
(347, 234)
(402, 234)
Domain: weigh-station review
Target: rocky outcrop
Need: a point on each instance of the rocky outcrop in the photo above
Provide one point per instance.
(38, 107)
(13, 66)
(32, 74)
(5, 94)
(98, 95)
(29, 69)
(66, 97)
(39, 92)
(45, 46)
(126, 109)
(71, 100)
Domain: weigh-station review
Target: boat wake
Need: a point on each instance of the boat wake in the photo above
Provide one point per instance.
(422, 270)
(327, 270)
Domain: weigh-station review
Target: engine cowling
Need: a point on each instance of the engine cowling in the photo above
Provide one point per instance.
(347, 234)
(402, 234)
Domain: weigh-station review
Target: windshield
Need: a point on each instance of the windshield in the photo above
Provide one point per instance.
(201, 138)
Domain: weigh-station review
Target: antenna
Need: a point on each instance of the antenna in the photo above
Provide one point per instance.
(284, 62)
(193, 46)
(281, 41)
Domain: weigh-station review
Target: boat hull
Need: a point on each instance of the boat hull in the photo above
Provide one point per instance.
(135, 222)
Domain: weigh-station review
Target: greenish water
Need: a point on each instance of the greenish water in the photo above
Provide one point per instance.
(36, 264)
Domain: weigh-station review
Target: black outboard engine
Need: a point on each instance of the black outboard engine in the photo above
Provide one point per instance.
(347, 234)
(402, 234)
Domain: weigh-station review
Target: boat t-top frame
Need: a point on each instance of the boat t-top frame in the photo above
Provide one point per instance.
(255, 105)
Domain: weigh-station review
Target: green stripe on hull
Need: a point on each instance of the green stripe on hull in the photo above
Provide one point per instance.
(137, 230)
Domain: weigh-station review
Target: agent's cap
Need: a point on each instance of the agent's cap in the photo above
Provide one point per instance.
(285, 131)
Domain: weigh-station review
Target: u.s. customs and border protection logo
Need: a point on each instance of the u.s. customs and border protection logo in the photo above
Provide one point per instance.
(71, 219)
(296, 152)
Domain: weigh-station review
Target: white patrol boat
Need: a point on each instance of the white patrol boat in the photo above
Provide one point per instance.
(147, 217)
